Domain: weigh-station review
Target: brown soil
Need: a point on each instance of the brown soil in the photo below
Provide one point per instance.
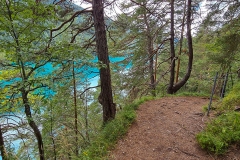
(165, 129)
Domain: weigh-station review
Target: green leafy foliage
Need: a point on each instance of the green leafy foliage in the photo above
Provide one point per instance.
(38, 61)
(232, 100)
(220, 133)
(225, 129)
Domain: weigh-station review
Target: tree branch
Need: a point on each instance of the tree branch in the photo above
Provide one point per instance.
(87, 90)
(69, 20)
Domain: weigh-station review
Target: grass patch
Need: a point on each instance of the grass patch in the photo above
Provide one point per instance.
(193, 94)
(220, 133)
(112, 131)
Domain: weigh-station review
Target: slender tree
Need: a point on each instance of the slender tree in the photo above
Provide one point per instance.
(23, 88)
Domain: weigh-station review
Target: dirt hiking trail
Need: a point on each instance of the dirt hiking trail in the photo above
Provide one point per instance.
(165, 129)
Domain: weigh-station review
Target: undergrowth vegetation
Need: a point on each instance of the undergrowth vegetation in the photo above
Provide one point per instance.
(193, 94)
(224, 130)
(232, 100)
(220, 133)
(112, 131)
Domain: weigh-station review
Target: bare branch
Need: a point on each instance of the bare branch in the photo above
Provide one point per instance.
(87, 90)
(70, 19)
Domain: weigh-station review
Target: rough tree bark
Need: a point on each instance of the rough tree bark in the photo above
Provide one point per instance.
(105, 98)
(173, 88)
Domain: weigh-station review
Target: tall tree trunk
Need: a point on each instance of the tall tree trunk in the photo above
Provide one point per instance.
(178, 85)
(105, 98)
(172, 52)
(150, 54)
(2, 147)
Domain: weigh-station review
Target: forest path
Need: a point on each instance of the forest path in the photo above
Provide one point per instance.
(165, 129)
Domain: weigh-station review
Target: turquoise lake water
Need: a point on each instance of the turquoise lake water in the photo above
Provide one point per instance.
(48, 70)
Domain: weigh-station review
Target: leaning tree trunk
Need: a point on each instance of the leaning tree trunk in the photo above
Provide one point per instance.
(28, 113)
(32, 124)
(172, 68)
(105, 98)
(178, 85)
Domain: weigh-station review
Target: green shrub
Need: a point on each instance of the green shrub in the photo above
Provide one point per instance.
(232, 99)
(220, 133)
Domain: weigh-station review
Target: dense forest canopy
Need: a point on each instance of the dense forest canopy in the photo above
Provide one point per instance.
(60, 84)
